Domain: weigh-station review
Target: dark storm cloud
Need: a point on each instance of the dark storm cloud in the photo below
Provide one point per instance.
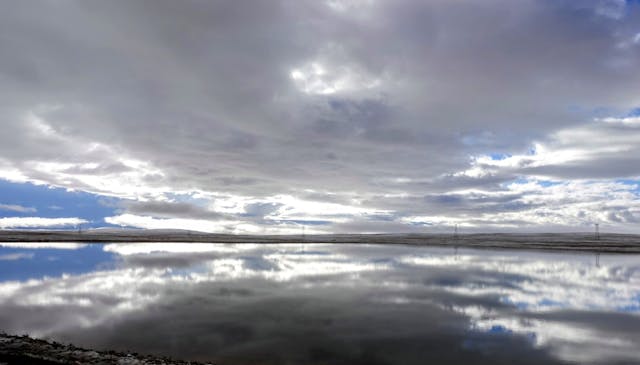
(477, 203)
(171, 210)
(264, 98)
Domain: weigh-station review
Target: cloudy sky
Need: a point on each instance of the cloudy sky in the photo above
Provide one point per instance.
(335, 116)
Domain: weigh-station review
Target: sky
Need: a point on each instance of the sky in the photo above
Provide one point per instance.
(337, 116)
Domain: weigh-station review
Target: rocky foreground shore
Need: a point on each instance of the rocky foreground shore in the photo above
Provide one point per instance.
(20, 350)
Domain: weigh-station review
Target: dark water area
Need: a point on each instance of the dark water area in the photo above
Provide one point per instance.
(326, 304)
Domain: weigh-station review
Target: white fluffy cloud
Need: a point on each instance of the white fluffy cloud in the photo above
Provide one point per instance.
(16, 256)
(39, 222)
(17, 208)
(148, 222)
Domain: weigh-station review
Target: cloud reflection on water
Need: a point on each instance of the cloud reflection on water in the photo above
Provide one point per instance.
(54, 245)
(340, 304)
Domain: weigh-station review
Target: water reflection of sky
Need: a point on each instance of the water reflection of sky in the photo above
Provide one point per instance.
(20, 261)
(338, 304)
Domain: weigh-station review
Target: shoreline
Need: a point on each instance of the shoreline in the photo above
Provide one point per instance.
(28, 350)
(576, 242)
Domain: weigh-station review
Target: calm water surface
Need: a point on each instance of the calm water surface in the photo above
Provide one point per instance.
(326, 304)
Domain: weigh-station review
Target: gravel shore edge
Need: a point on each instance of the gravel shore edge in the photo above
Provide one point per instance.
(19, 350)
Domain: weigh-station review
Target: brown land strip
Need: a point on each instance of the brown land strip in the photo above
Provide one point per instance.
(607, 243)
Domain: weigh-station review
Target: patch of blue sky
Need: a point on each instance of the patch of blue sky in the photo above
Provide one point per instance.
(594, 114)
(421, 224)
(485, 339)
(521, 305)
(188, 198)
(617, 113)
(498, 328)
(49, 202)
(546, 302)
(38, 263)
(635, 112)
(632, 2)
(548, 183)
(499, 156)
(543, 183)
(634, 306)
(635, 183)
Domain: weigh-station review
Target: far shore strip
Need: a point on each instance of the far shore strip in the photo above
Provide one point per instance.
(605, 243)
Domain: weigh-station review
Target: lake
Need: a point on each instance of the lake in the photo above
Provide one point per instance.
(325, 304)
